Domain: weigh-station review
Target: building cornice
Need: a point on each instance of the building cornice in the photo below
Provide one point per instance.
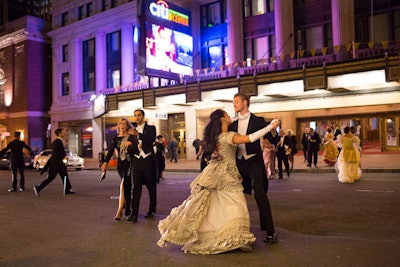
(13, 38)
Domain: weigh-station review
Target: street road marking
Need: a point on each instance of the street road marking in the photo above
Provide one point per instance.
(376, 191)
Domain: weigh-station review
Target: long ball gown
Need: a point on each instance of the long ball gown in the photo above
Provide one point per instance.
(348, 163)
(330, 151)
(214, 218)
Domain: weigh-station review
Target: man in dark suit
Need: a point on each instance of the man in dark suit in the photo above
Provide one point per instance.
(144, 171)
(283, 148)
(17, 161)
(251, 164)
(313, 147)
(304, 142)
(56, 164)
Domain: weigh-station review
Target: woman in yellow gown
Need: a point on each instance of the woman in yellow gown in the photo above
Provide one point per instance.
(330, 150)
(348, 164)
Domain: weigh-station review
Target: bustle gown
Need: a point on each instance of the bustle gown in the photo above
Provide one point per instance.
(348, 164)
(330, 151)
(214, 218)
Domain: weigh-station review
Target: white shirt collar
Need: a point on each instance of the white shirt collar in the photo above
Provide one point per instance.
(244, 117)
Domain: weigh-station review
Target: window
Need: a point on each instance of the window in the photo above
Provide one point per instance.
(312, 25)
(89, 9)
(314, 37)
(299, 40)
(114, 41)
(65, 84)
(105, 4)
(378, 28)
(65, 53)
(89, 66)
(215, 54)
(64, 18)
(114, 3)
(88, 48)
(80, 12)
(213, 14)
(89, 81)
(260, 47)
(113, 46)
(396, 25)
(257, 7)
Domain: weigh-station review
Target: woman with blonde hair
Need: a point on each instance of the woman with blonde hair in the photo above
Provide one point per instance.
(124, 144)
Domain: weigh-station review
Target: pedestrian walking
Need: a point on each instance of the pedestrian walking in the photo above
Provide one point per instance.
(17, 161)
(56, 164)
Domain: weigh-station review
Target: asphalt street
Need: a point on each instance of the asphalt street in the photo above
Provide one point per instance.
(319, 221)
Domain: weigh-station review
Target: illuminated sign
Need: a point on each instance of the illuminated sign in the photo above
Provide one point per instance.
(169, 50)
(161, 10)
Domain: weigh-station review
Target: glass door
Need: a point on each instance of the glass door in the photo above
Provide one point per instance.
(392, 132)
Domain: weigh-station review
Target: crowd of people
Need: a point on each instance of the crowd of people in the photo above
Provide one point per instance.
(236, 158)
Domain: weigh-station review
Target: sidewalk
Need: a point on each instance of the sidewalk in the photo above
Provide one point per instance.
(370, 162)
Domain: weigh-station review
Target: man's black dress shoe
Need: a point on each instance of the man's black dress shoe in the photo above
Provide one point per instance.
(132, 218)
(69, 192)
(150, 214)
(271, 238)
(12, 190)
(127, 212)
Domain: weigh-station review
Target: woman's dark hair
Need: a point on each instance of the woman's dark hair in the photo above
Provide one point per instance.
(212, 131)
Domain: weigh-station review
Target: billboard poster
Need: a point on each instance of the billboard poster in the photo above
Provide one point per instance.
(168, 40)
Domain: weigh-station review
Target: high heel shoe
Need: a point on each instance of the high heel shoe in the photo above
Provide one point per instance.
(118, 216)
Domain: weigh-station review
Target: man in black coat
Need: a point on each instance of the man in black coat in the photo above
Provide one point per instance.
(17, 161)
(251, 164)
(144, 171)
(282, 149)
(56, 164)
(304, 142)
(314, 140)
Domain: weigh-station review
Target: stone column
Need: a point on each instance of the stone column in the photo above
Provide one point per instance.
(56, 81)
(342, 21)
(75, 77)
(235, 31)
(126, 54)
(284, 28)
(342, 25)
(101, 65)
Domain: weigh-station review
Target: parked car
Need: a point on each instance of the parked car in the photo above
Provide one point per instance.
(72, 160)
(5, 161)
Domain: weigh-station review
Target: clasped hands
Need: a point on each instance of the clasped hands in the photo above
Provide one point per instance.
(276, 122)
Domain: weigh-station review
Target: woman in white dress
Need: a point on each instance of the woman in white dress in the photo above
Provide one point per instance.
(214, 218)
